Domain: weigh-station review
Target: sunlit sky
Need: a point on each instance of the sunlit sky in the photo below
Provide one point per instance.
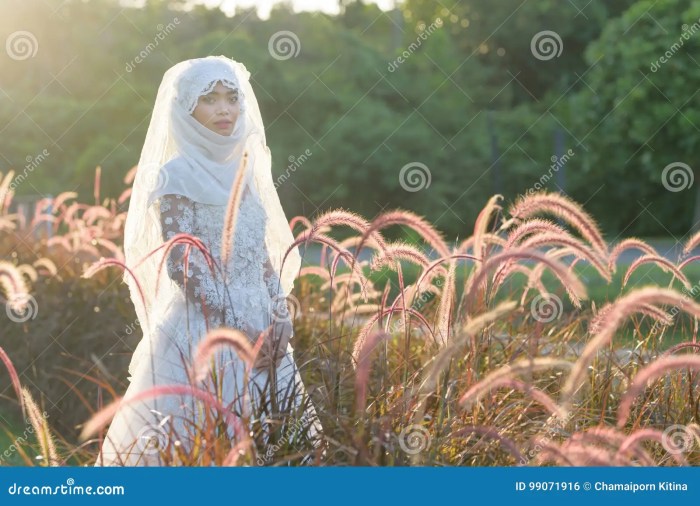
(264, 6)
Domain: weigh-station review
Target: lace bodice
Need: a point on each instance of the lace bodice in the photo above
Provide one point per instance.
(251, 287)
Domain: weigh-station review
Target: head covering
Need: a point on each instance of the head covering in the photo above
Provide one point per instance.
(182, 156)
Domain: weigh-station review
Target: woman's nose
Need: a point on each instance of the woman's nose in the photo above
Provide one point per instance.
(224, 109)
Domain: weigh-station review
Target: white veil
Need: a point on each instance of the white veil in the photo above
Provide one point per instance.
(182, 156)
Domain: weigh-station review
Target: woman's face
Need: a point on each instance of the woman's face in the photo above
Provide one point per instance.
(218, 110)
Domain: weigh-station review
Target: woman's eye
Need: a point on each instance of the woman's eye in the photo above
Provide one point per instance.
(234, 99)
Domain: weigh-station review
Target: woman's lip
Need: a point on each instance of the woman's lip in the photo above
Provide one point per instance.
(223, 123)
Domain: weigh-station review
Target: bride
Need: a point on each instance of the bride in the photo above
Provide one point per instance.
(206, 127)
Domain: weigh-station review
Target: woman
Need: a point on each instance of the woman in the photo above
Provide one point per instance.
(206, 129)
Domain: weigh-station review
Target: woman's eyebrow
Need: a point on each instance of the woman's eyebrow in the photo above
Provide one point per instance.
(229, 92)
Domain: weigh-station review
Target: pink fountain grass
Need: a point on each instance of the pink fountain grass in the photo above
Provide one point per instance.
(100, 419)
(215, 340)
(399, 251)
(232, 209)
(482, 223)
(479, 375)
(647, 374)
(492, 433)
(413, 221)
(662, 262)
(507, 372)
(627, 244)
(14, 378)
(691, 243)
(620, 310)
(372, 321)
(475, 393)
(445, 309)
(363, 359)
(41, 428)
(564, 208)
(633, 441)
(559, 269)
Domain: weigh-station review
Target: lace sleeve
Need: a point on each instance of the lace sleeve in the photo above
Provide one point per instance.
(177, 216)
(272, 280)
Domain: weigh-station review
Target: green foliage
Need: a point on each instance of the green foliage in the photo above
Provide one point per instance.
(637, 116)
(370, 92)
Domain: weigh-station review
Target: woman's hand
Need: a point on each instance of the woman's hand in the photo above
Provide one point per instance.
(274, 347)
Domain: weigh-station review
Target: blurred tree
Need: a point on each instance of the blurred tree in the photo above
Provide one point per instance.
(639, 116)
(367, 93)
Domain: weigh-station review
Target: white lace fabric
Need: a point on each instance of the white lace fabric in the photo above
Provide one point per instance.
(240, 295)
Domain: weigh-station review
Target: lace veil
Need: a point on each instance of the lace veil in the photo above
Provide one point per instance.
(181, 156)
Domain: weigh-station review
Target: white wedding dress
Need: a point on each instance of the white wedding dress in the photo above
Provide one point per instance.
(247, 297)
